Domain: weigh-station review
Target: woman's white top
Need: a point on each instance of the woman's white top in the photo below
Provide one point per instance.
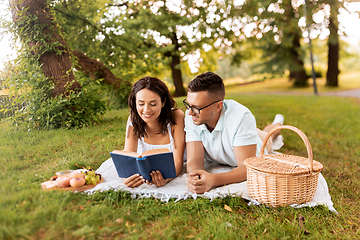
(143, 146)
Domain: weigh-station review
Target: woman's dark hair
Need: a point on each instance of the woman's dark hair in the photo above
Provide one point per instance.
(210, 82)
(165, 117)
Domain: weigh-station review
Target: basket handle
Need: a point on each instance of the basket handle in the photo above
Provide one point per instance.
(300, 133)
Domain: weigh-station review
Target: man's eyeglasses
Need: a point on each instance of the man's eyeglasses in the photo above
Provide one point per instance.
(195, 109)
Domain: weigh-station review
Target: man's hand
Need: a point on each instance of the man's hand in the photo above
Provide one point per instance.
(157, 178)
(134, 180)
(199, 181)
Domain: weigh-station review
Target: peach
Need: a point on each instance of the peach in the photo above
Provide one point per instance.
(63, 181)
(77, 182)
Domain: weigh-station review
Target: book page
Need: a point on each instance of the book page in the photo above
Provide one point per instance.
(126, 153)
(154, 151)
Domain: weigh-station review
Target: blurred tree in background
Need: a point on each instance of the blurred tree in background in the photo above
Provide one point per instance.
(273, 27)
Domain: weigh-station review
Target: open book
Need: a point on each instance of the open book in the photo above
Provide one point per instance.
(130, 163)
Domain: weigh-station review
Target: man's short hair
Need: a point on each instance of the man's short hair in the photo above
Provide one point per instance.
(209, 82)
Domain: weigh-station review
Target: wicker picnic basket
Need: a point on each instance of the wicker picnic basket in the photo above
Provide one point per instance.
(282, 180)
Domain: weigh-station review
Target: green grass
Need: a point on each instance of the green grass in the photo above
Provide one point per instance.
(30, 157)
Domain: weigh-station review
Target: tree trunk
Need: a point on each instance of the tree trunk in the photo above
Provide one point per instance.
(175, 67)
(46, 44)
(97, 70)
(333, 45)
(176, 75)
(296, 66)
(297, 69)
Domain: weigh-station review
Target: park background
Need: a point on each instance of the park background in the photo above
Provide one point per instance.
(33, 149)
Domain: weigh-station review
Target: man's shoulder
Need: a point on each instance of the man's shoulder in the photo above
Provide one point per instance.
(236, 114)
(232, 106)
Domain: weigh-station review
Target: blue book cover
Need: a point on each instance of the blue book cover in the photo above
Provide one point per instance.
(128, 164)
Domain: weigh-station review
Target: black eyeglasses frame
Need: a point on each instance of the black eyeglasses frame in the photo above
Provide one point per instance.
(188, 106)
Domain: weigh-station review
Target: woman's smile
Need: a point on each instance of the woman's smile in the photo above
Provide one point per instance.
(147, 115)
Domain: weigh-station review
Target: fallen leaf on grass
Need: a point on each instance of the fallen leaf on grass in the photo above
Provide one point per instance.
(241, 212)
(301, 221)
(227, 208)
(228, 225)
(301, 224)
(264, 231)
(119, 220)
(128, 224)
(85, 230)
(107, 127)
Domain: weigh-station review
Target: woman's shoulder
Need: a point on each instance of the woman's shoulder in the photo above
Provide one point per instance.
(178, 113)
(129, 123)
(179, 125)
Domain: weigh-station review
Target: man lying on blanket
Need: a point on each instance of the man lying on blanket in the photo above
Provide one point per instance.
(221, 131)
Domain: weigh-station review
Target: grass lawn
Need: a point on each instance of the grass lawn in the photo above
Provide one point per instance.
(30, 157)
(347, 80)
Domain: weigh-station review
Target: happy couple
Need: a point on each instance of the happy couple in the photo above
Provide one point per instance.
(214, 129)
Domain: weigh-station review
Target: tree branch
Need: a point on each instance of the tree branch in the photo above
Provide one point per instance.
(97, 70)
(95, 27)
(117, 5)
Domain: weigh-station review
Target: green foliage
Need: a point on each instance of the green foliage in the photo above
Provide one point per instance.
(134, 38)
(5, 73)
(113, 98)
(349, 56)
(275, 29)
(319, 72)
(41, 111)
(37, 34)
(41, 107)
(208, 61)
(96, 28)
(227, 69)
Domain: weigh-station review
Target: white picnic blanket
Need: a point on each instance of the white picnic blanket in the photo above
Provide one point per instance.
(178, 190)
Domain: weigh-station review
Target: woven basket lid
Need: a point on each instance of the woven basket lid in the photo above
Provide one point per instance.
(282, 164)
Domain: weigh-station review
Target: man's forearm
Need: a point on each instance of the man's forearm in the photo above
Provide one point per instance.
(195, 156)
(236, 175)
(193, 165)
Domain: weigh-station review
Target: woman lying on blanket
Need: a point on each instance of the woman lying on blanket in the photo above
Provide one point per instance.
(154, 123)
